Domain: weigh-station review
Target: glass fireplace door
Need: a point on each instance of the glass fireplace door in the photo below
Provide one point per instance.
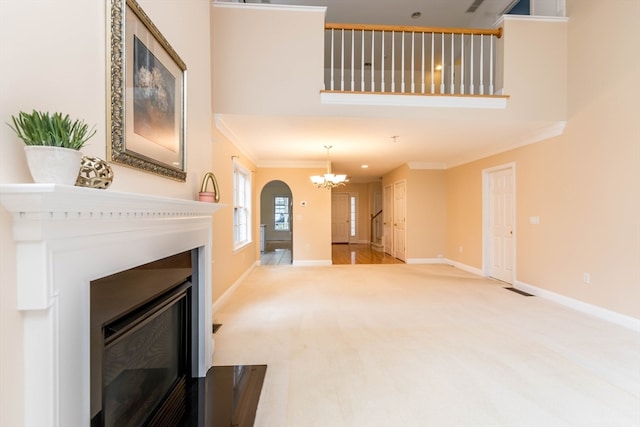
(144, 361)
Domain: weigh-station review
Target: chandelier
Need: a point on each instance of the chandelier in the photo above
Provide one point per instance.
(328, 180)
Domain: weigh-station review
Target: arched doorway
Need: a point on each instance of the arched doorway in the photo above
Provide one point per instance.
(276, 225)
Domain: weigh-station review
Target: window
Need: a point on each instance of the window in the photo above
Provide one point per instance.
(281, 213)
(352, 216)
(241, 206)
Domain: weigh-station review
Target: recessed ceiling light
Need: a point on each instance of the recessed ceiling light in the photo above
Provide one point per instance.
(416, 15)
(364, 166)
(438, 67)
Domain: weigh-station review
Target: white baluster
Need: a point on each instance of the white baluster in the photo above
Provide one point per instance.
(462, 64)
(433, 85)
(453, 86)
(342, 62)
(332, 61)
(413, 82)
(373, 62)
(491, 67)
(353, 55)
(471, 87)
(382, 64)
(481, 64)
(393, 61)
(402, 66)
(422, 53)
(362, 88)
(442, 66)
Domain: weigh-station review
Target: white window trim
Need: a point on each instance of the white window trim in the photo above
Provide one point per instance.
(239, 169)
(284, 196)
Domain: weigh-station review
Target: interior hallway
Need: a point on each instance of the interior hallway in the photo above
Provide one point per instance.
(279, 253)
(423, 345)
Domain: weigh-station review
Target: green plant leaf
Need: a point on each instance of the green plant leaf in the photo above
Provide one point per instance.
(56, 130)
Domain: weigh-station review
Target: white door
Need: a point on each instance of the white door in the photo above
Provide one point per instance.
(387, 219)
(340, 226)
(502, 224)
(399, 220)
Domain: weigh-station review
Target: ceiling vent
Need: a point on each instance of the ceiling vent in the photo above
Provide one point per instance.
(474, 6)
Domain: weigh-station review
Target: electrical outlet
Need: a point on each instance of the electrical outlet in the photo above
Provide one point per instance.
(586, 278)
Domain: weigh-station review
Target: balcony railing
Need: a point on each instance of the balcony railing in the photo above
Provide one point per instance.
(412, 60)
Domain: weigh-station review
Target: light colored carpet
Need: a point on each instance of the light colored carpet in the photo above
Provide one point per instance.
(423, 345)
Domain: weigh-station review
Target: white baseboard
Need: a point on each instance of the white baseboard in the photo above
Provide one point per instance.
(226, 294)
(312, 263)
(594, 310)
(464, 267)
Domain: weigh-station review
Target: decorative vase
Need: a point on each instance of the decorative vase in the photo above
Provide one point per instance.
(94, 173)
(55, 165)
(206, 196)
(209, 196)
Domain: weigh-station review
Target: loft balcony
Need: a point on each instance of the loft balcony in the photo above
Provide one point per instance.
(283, 66)
(442, 66)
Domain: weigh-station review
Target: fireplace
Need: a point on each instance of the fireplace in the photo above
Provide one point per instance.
(68, 237)
(140, 344)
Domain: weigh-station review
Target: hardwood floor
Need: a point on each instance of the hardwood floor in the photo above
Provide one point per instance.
(360, 254)
(279, 253)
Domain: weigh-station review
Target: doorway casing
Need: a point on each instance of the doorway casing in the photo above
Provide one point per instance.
(487, 234)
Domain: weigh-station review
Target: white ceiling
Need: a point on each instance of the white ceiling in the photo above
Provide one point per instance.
(426, 137)
(441, 13)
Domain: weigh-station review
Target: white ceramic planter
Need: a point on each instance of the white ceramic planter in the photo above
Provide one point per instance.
(53, 164)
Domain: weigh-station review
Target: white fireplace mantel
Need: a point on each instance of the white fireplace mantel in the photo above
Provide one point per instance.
(66, 237)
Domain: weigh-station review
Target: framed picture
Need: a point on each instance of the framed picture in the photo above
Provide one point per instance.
(147, 95)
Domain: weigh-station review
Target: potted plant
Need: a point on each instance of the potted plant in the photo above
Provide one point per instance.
(53, 144)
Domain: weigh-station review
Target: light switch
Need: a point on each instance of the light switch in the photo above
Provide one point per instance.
(534, 220)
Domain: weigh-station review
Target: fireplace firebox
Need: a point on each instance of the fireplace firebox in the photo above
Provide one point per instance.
(141, 327)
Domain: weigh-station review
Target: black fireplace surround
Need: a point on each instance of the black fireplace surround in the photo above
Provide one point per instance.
(141, 343)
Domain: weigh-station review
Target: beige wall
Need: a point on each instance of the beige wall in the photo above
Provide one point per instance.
(53, 57)
(426, 214)
(534, 66)
(254, 72)
(230, 264)
(426, 211)
(311, 223)
(584, 185)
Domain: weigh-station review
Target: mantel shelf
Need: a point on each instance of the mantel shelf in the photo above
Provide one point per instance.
(66, 199)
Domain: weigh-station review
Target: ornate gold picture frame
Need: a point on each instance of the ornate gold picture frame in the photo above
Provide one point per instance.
(147, 95)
